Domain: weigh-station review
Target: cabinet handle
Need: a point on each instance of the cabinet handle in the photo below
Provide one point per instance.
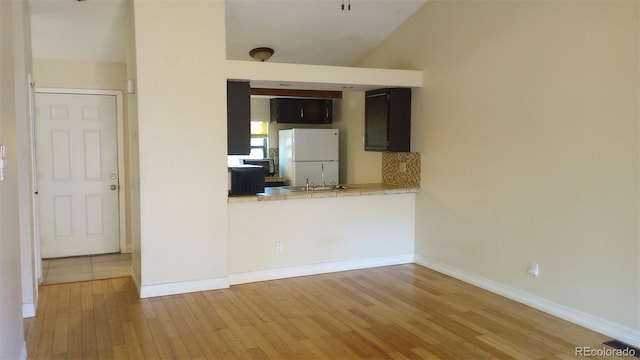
(301, 113)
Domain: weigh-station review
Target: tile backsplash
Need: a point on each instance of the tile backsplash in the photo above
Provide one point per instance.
(401, 168)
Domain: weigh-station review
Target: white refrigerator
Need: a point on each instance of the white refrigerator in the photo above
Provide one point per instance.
(306, 153)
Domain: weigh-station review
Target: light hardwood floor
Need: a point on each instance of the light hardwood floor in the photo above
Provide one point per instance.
(395, 312)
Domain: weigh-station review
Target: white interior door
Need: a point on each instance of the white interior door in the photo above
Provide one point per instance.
(77, 157)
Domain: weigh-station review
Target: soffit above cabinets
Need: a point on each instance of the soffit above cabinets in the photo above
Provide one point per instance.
(320, 77)
(296, 93)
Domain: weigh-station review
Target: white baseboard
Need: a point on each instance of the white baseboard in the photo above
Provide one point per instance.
(28, 310)
(147, 291)
(23, 353)
(324, 268)
(616, 331)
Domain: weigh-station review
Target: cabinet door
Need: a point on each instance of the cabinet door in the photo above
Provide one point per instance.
(388, 120)
(286, 110)
(317, 111)
(238, 118)
(301, 111)
(399, 128)
(376, 121)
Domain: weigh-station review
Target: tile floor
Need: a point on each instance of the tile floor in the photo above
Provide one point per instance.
(82, 268)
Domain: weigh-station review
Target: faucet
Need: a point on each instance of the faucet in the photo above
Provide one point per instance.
(306, 186)
(322, 184)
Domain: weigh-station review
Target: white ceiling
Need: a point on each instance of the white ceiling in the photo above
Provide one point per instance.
(301, 31)
(314, 32)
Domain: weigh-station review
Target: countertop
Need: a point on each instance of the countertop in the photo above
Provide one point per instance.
(352, 190)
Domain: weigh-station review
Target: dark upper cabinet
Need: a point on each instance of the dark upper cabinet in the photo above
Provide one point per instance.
(301, 111)
(388, 120)
(238, 118)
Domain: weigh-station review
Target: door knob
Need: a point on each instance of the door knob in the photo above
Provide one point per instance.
(113, 187)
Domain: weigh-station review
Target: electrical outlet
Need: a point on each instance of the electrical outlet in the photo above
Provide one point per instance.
(534, 269)
(279, 247)
(402, 167)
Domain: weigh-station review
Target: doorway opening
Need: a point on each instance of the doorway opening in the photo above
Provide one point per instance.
(79, 170)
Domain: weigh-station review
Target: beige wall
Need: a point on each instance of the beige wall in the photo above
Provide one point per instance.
(132, 150)
(23, 66)
(13, 95)
(180, 55)
(528, 129)
(73, 74)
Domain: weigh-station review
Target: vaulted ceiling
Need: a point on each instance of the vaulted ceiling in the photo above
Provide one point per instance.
(320, 32)
(301, 31)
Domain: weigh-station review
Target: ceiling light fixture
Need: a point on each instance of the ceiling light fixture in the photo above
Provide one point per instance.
(261, 53)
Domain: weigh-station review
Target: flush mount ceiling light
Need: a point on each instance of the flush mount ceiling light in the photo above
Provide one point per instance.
(261, 53)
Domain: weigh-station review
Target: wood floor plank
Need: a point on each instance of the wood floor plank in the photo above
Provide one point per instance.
(103, 339)
(333, 347)
(60, 337)
(269, 344)
(312, 350)
(209, 320)
(43, 346)
(143, 336)
(114, 320)
(292, 330)
(184, 333)
(74, 335)
(135, 344)
(234, 343)
(425, 354)
(120, 352)
(160, 339)
(308, 327)
(395, 312)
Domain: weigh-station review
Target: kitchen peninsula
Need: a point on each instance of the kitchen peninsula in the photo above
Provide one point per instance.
(282, 233)
(318, 232)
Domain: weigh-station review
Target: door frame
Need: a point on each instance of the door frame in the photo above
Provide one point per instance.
(34, 187)
(120, 146)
